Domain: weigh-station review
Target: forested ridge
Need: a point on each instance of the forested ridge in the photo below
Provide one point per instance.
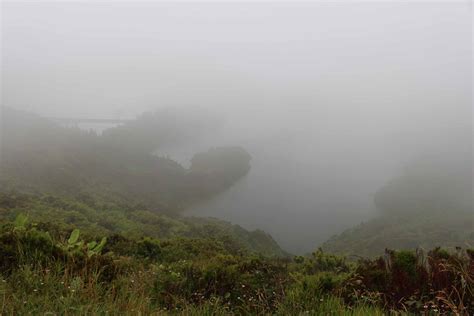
(430, 205)
(40, 156)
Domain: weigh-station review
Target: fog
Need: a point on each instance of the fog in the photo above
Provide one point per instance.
(332, 100)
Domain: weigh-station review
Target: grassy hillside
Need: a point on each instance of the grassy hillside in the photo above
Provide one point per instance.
(429, 206)
(106, 219)
(374, 236)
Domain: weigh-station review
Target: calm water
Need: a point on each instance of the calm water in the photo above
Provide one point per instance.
(293, 197)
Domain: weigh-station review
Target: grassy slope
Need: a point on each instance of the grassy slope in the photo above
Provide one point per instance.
(430, 205)
(104, 219)
(374, 236)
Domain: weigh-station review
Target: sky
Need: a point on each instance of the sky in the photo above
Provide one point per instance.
(332, 99)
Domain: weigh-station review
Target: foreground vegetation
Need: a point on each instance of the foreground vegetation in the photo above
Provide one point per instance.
(47, 269)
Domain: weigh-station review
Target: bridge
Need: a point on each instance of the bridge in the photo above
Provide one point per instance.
(76, 120)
